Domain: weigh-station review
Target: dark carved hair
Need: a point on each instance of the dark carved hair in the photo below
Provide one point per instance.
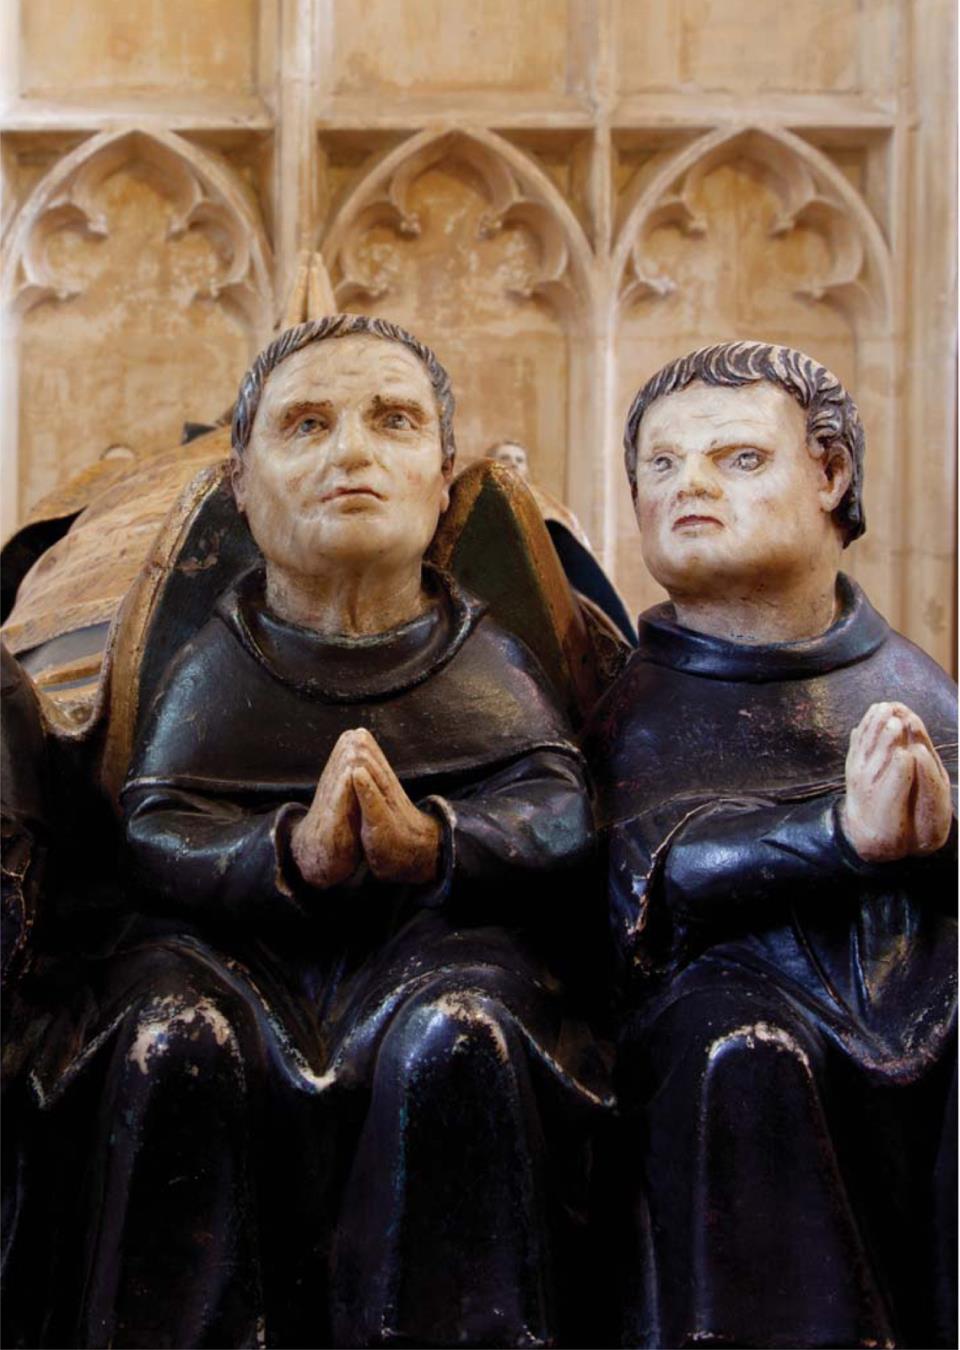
(832, 416)
(339, 326)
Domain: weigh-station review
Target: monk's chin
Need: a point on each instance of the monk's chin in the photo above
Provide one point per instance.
(697, 566)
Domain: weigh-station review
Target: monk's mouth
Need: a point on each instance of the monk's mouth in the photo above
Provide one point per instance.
(682, 522)
(351, 492)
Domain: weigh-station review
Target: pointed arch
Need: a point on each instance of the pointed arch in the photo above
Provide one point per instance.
(206, 196)
(812, 192)
(518, 191)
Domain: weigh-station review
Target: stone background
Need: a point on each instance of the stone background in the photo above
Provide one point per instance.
(558, 195)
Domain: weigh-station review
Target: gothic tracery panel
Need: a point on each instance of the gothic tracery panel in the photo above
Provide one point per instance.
(133, 266)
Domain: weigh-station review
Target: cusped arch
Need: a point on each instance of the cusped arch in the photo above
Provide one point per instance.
(518, 190)
(812, 192)
(205, 194)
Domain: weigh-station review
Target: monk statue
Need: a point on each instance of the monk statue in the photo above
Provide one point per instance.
(328, 1079)
(773, 785)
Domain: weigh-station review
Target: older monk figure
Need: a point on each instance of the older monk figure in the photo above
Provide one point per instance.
(339, 1007)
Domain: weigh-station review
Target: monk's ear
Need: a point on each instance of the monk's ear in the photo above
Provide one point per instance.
(238, 481)
(836, 475)
(447, 480)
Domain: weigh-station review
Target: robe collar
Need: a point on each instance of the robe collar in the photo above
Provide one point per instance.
(341, 669)
(856, 634)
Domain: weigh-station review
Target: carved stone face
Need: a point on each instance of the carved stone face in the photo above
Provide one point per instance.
(344, 466)
(729, 497)
(514, 456)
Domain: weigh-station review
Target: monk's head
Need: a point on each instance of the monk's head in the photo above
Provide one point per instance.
(511, 453)
(343, 445)
(745, 462)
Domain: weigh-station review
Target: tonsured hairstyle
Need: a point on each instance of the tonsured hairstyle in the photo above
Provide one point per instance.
(832, 416)
(339, 326)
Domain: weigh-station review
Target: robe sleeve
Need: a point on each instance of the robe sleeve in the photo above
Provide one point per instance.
(730, 862)
(525, 824)
(732, 857)
(202, 854)
(207, 855)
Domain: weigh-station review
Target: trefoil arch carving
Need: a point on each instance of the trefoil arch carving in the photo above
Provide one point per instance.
(812, 194)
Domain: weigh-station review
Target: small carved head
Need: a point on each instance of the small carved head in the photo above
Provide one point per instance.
(511, 453)
(343, 450)
(832, 418)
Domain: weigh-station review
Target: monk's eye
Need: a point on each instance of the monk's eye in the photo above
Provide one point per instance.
(397, 421)
(747, 460)
(310, 426)
(661, 463)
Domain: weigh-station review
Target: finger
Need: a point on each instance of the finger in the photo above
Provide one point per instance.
(359, 740)
(917, 733)
(891, 739)
(864, 737)
(883, 802)
(338, 759)
(381, 840)
(374, 808)
(360, 750)
(370, 755)
(335, 782)
(327, 844)
(334, 816)
(872, 723)
(382, 773)
(891, 798)
(933, 803)
(349, 745)
(896, 777)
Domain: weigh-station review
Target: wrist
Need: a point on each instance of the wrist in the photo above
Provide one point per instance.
(313, 861)
(871, 845)
(426, 863)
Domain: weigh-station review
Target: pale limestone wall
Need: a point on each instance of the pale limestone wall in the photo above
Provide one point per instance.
(559, 195)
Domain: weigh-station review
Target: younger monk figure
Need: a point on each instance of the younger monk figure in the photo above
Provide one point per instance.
(782, 860)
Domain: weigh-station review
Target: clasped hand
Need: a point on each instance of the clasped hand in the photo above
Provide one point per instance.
(898, 799)
(360, 810)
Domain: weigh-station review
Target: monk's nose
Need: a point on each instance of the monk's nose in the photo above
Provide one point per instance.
(697, 479)
(350, 442)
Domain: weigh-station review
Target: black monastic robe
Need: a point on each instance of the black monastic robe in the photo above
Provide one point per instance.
(320, 1115)
(786, 1068)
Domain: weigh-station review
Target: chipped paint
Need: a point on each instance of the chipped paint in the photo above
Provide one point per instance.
(462, 1007)
(167, 1014)
(765, 1032)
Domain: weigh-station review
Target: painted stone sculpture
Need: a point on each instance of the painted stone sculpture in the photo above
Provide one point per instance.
(325, 1075)
(772, 780)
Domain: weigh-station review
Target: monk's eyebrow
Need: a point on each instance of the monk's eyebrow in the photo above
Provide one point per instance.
(291, 412)
(748, 440)
(401, 403)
